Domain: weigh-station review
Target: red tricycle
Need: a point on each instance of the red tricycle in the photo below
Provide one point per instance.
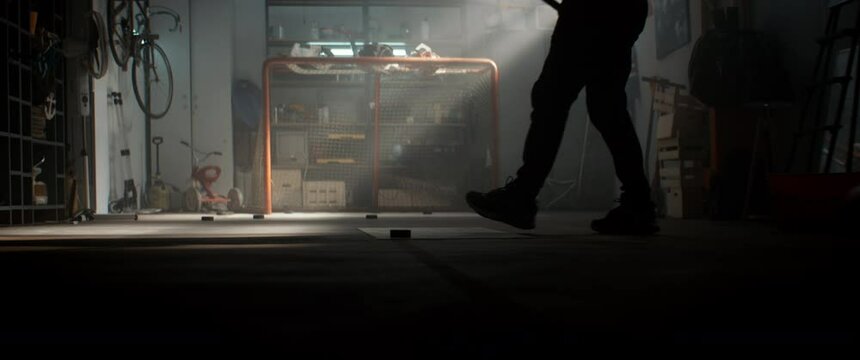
(200, 195)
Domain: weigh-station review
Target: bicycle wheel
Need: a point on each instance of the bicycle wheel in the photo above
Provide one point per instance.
(97, 57)
(160, 85)
(120, 35)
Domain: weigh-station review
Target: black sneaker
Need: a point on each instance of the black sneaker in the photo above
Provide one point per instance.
(630, 218)
(507, 204)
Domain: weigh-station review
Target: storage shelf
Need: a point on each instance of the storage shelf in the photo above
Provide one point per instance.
(20, 64)
(423, 125)
(23, 149)
(32, 139)
(29, 175)
(434, 3)
(315, 125)
(316, 84)
(397, 96)
(322, 166)
(44, 142)
(19, 100)
(33, 207)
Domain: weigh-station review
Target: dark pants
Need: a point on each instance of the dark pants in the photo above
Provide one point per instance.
(591, 49)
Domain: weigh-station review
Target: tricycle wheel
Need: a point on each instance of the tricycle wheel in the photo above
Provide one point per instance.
(236, 199)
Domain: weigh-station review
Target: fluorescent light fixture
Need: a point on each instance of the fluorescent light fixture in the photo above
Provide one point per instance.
(342, 52)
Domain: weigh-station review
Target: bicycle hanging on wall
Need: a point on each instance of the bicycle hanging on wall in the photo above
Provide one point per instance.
(131, 40)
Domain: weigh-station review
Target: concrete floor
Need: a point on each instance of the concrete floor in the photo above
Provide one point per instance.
(317, 283)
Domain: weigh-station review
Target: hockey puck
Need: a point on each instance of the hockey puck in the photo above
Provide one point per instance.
(207, 218)
(371, 217)
(259, 216)
(401, 234)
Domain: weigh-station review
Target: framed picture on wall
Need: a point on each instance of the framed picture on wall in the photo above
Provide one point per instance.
(672, 25)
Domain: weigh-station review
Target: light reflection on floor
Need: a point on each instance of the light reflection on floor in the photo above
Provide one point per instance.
(160, 226)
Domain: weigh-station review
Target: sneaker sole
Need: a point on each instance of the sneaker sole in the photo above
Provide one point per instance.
(495, 217)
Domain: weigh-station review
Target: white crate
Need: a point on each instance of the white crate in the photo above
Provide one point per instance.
(324, 195)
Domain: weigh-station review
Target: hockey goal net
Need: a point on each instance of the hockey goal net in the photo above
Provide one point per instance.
(373, 134)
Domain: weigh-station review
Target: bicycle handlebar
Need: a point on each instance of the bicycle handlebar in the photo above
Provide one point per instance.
(206, 155)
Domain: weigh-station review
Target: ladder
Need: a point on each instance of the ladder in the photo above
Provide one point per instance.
(818, 99)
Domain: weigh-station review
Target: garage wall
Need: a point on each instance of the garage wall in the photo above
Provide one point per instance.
(202, 60)
(109, 131)
(176, 125)
(249, 40)
(211, 83)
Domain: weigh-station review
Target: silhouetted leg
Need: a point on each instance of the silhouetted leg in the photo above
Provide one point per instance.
(607, 106)
(552, 96)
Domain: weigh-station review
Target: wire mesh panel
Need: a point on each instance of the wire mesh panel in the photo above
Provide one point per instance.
(374, 134)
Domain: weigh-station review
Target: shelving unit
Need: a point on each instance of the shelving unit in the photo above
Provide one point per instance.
(20, 146)
(381, 21)
(407, 134)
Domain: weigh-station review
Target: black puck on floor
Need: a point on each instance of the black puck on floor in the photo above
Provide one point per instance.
(259, 216)
(371, 217)
(207, 218)
(401, 234)
(428, 213)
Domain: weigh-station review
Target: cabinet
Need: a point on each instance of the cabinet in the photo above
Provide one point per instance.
(366, 140)
(26, 135)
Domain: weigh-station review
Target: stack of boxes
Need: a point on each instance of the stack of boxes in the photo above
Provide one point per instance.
(682, 154)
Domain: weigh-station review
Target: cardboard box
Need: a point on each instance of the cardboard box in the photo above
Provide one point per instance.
(324, 195)
(286, 189)
(685, 203)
